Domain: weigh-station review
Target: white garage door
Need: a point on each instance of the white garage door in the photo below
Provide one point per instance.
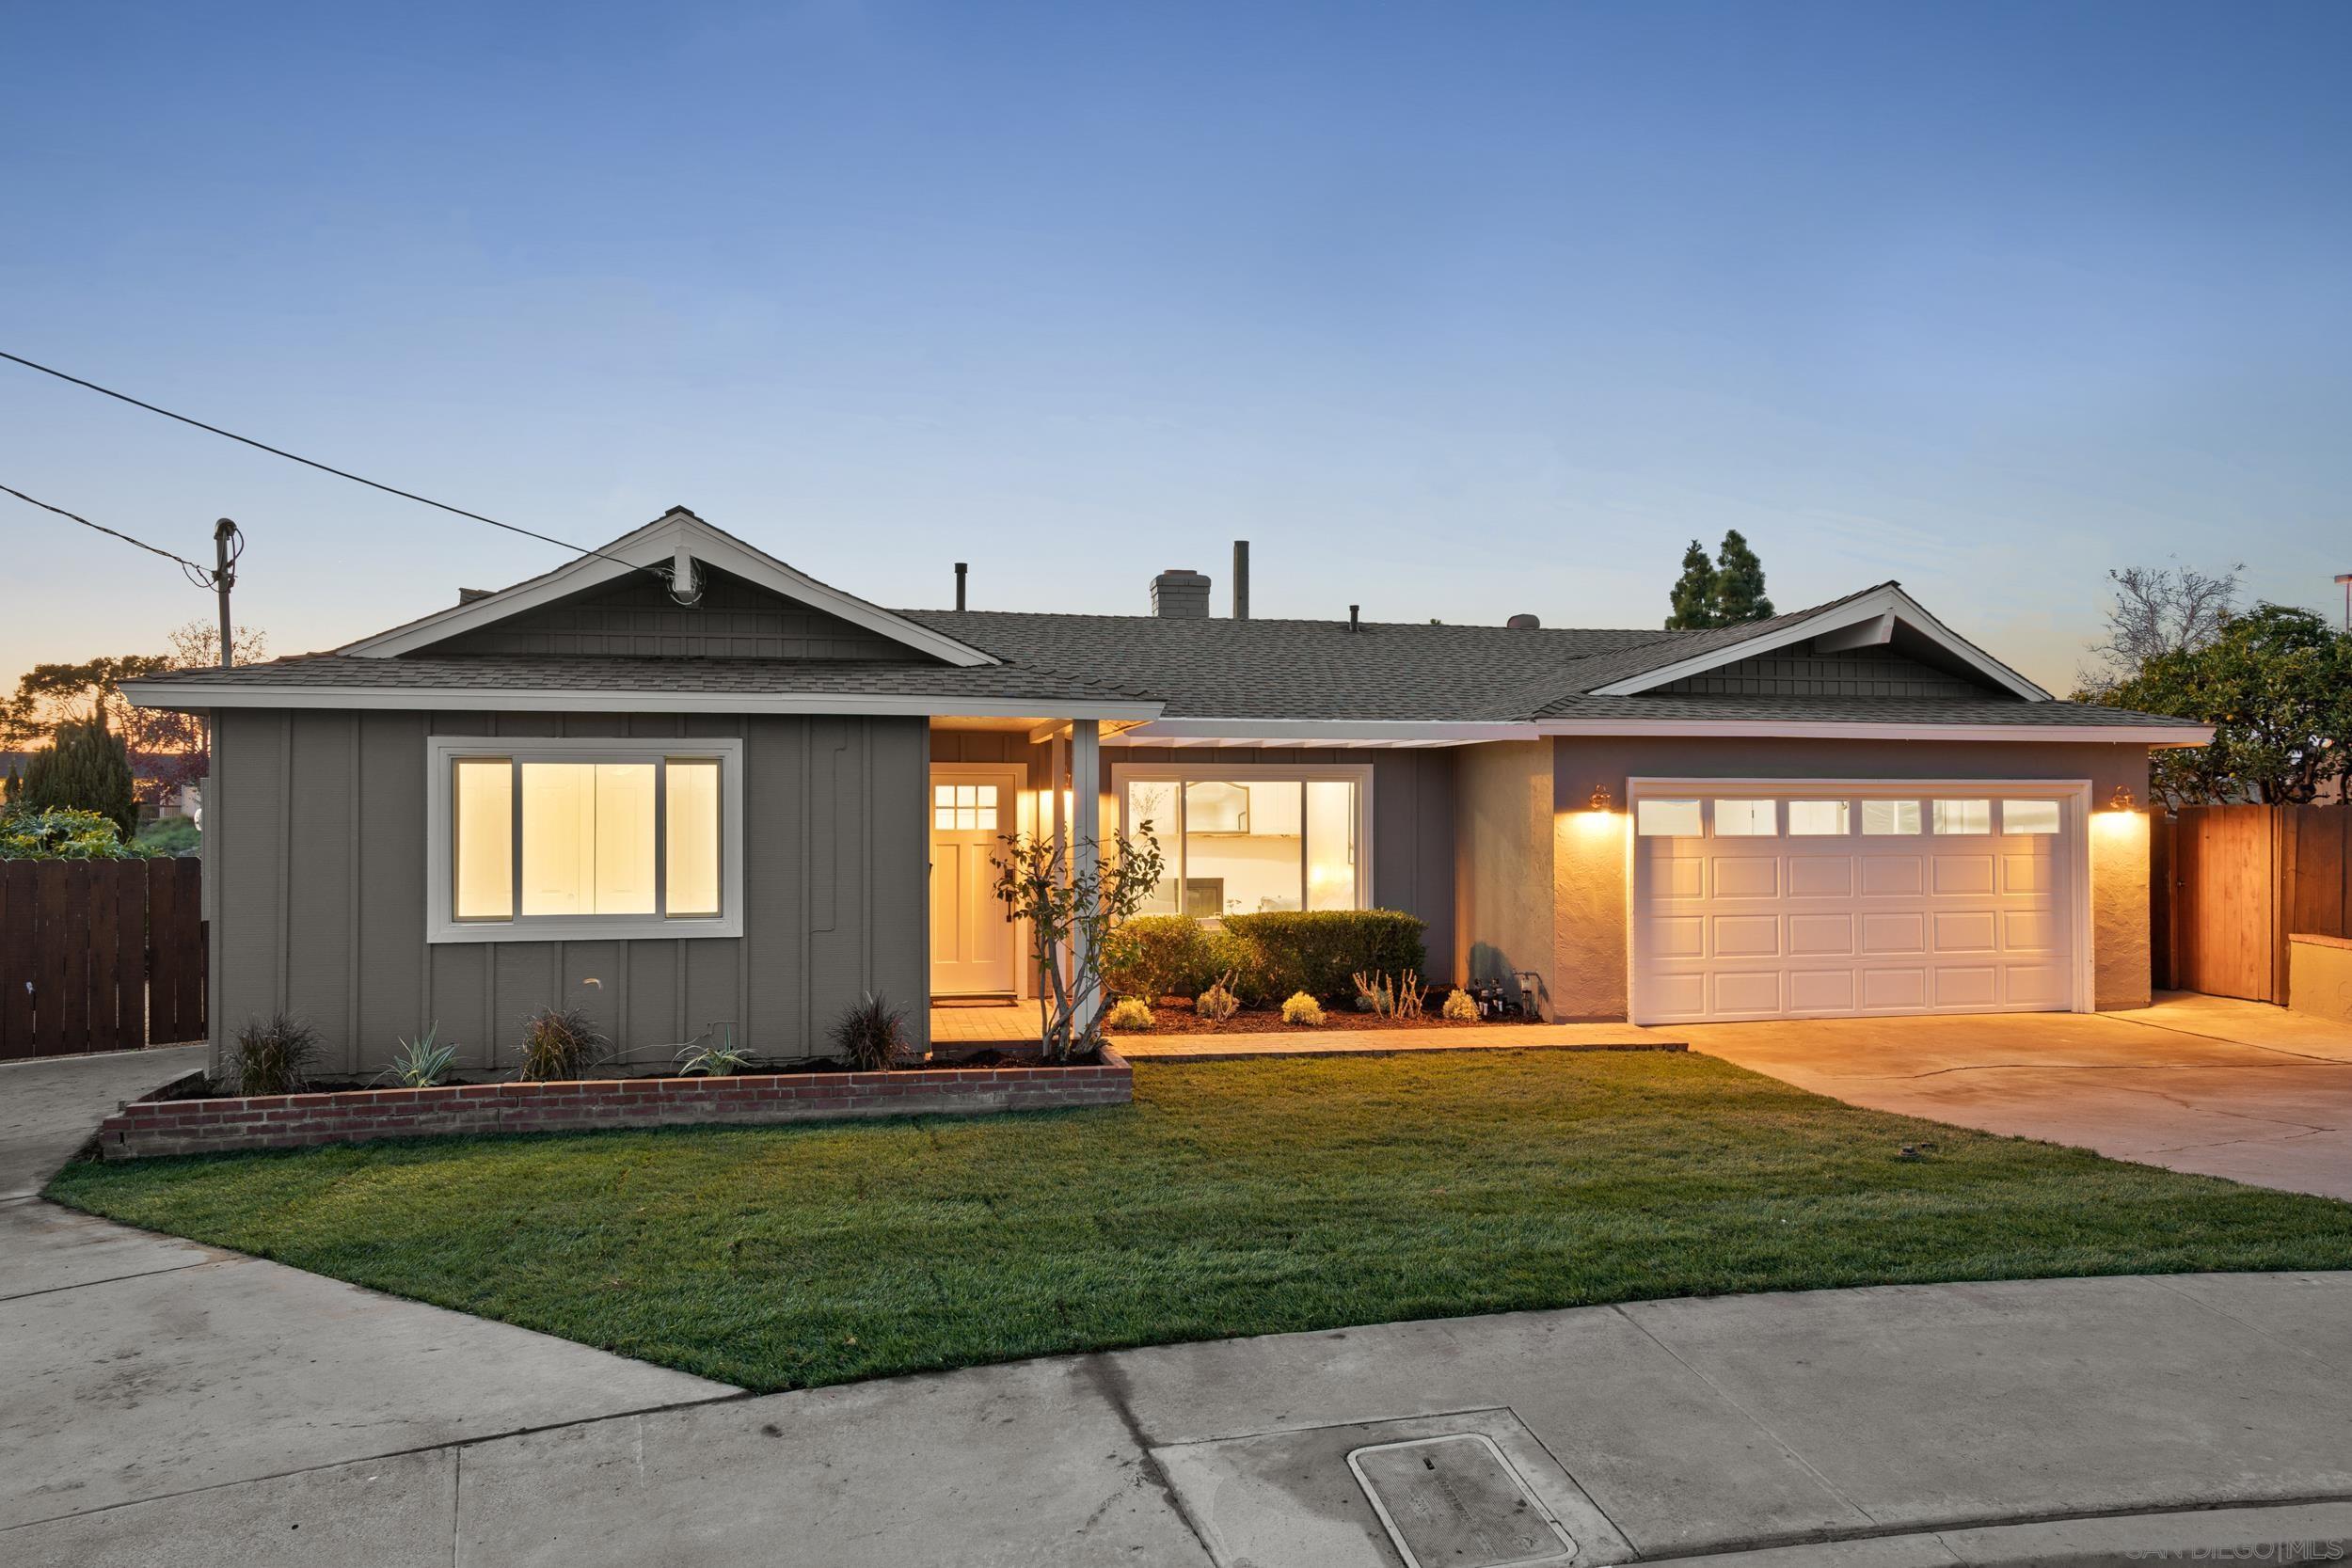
(1852, 900)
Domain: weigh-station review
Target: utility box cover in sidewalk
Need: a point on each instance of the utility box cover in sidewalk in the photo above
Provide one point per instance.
(1471, 1489)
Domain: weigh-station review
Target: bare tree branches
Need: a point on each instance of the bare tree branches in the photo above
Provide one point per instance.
(2157, 610)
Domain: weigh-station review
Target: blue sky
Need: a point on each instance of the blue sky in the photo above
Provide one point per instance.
(1454, 310)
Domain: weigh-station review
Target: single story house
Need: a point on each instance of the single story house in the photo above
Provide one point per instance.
(681, 784)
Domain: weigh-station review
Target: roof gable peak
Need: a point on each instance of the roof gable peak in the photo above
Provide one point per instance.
(669, 548)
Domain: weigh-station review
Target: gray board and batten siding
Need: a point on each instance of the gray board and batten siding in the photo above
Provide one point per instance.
(317, 849)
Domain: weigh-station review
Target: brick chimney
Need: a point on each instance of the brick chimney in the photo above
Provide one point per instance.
(1181, 594)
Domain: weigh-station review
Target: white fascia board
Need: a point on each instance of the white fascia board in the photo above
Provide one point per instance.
(1317, 731)
(162, 695)
(658, 545)
(1884, 601)
(2113, 734)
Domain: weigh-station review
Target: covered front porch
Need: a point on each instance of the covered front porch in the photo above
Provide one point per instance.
(990, 778)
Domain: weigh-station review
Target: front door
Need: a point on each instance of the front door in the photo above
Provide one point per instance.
(973, 950)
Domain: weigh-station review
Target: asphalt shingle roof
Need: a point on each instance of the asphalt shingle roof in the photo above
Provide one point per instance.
(330, 672)
(1207, 669)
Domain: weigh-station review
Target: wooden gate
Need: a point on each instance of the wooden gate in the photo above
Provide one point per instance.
(2241, 879)
(99, 955)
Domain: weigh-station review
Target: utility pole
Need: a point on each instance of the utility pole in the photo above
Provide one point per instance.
(2345, 578)
(224, 578)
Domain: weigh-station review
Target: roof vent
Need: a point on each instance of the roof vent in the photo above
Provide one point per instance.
(468, 595)
(1180, 595)
(1524, 623)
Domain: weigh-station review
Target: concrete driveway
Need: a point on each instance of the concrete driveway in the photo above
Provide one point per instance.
(2199, 1084)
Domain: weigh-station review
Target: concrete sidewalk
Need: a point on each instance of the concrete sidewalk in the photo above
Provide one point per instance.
(1960, 1423)
(134, 1366)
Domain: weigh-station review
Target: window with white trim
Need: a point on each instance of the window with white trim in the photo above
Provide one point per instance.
(1244, 839)
(545, 840)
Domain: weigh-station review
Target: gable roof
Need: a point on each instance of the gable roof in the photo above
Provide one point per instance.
(670, 543)
(1659, 664)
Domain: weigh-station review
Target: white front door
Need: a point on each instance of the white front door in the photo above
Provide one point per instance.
(1754, 902)
(973, 950)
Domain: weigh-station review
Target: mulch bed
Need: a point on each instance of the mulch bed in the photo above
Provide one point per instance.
(1167, 1020)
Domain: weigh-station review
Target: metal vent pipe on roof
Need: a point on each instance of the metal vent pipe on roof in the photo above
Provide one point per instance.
(1355, 622)
(1241, 579)
(962, 569)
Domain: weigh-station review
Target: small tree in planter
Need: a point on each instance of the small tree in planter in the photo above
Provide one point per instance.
(1072, 894)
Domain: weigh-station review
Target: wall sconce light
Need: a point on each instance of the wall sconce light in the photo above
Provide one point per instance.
(1602, 800)
(2121, 799)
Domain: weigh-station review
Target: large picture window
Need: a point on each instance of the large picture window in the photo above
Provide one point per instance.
(1247, 840)
(548, 840)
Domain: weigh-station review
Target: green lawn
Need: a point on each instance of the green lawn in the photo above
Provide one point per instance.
(1233, 1198)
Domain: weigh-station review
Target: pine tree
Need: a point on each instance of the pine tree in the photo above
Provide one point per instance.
(1739, 594)
(86, 768)
(1694, 596)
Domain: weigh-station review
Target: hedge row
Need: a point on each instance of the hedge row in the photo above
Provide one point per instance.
(1271, 956)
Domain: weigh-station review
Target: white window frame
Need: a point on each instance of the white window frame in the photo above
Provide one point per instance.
(1171, 836)
(440, 762)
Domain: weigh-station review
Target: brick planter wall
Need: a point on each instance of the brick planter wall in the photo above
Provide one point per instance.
(148, 1127)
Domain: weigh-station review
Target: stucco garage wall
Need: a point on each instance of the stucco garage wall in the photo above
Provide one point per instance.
(316, 845)
(1589, 955)
(1505, 901)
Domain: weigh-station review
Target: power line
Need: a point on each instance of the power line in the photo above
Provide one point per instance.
(200, 576)
(313, 463)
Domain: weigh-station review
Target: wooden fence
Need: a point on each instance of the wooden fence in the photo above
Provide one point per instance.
(2228, 884)
(99, 955)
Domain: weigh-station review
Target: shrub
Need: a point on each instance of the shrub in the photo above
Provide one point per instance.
(870, 1033)
(61, 833)
(561, 1042)
(1303, 1010)
(1129, 1014)
(170, 836)
(85, 768)
(1317, 951)
(718, 1059)
(275, 1054)
(1216, 1003)
(419, 1063)
(1158, 955)
(1460, 1005)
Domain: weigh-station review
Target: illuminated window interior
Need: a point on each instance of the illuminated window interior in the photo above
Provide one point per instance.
(585, 839)
(1250, 846)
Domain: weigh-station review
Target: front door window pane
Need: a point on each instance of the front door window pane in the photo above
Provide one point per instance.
(691, 838)
(484, 838)
(1245, 847)
(1890, 818)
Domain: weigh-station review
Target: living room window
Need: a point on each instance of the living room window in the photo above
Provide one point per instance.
(543, 840)
(1245, 839)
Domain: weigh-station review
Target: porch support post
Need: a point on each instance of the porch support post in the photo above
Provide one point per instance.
(1086, 829)
(1056, 826)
